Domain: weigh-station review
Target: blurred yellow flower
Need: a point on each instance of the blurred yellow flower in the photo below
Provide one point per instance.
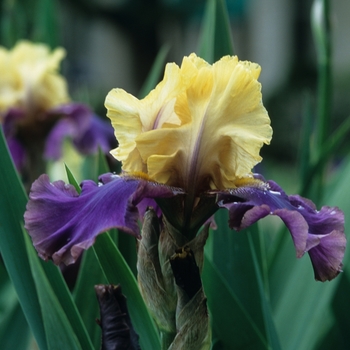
(202, 127)
(29, 78)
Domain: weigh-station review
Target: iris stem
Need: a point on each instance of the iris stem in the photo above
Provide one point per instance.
(188, 210)
(321, 33)
(166, 340)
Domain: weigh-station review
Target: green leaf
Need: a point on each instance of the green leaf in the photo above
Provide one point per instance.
(154, 74)
(117, 271)
(14, 330)
(337, 194)
(13, 250)
(239, 266)
(321, 29)
(65, 299)
(102, 165)
(127, 247)
(296, 298)
(327, 150)
(125, 243)
(270, 329)
(216, 40)
(302, 299)
(301, 306)
(90, 274)
(71, 179)
(58, 330)
(89, 169)
(232, 325)
(45, 23)
(305, 138)
(340, 309)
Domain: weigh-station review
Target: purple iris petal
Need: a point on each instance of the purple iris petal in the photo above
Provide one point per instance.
(87, 131)
(99, 134)
(320, 233)
(325, 257)
(17, 152)
(62, 223)
(11, 118)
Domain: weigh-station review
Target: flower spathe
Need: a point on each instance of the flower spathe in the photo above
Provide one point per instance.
(202, 127)
(187, 150)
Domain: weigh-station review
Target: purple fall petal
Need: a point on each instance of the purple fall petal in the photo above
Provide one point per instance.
(62, 223)
(17, 152)
(87, 131)
(11, 118)
(99, 134)
(54, 142)
(75, 119)
(320, 233)
(325, 256)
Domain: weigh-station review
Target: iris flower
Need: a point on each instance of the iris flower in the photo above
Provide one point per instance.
(35, 106)
(187, 150)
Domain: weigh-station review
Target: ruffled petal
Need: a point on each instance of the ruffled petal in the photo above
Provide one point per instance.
(223, 126)
(202, 127)
(62, 222)
(131, 117)
(30, 79)
(327, 254)
(320, 233)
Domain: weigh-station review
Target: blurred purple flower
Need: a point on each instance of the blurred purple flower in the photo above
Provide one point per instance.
(76, 121)
(87, 131)
(35, 109)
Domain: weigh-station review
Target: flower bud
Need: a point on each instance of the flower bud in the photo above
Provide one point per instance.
(157, 292)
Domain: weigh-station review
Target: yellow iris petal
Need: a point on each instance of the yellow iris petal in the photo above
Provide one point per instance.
(29, 78)
(221, 124)
(131, 117)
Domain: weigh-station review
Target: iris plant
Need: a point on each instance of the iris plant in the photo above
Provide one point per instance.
(35, 108)
(187, 150)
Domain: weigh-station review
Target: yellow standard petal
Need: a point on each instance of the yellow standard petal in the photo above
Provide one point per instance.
(218, 125)
(29, 78)
(132, 117)
(223, 126)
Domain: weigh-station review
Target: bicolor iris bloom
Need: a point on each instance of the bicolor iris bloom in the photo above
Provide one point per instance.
(187, 149)
(35, 105)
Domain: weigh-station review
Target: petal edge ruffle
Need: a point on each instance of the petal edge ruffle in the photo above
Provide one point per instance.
(62, 222)
(320, 233)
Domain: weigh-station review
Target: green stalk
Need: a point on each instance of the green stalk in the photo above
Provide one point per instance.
(329, 148)
(320, 21)
(166, 339)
